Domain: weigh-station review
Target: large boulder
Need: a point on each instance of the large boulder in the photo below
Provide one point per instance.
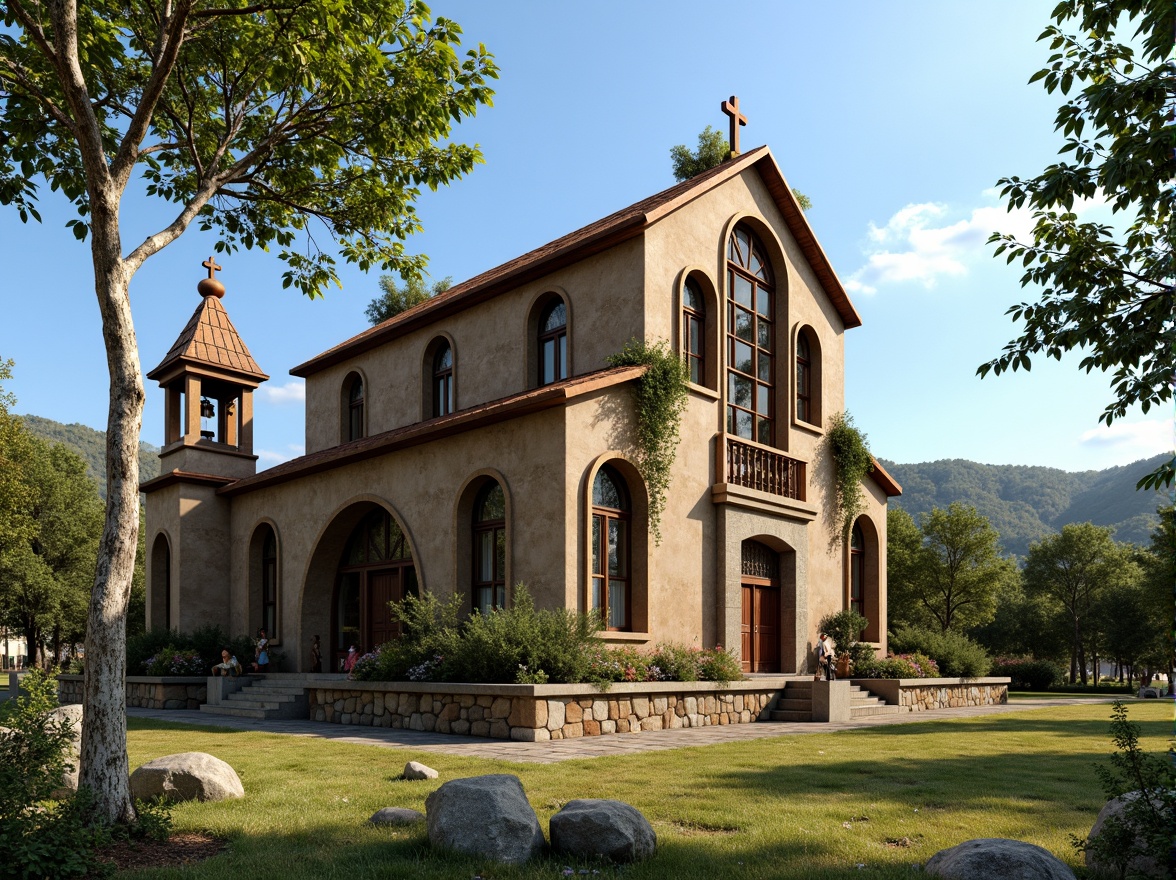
(1141, 865)
(69, 782)
(396, 816)
(611, 830)
(484, 816)
(187, 776)
(996, 858)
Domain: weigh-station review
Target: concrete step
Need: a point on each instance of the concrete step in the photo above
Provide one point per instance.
(785, 704)
(866, 711)
(246, 703)
(294, 690)
(789, 715)
(234, 711)
(255, 694)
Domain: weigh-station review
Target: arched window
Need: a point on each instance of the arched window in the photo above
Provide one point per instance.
(354, 410)
(857, 570)
(269, 584)
(693, 330)
(750, 339)
(611, 549)
(489, 568)
(553, 342)
(161, 585)
(804, 379)
(443, 380)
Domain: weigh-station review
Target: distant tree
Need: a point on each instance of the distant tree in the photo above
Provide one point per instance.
(1024, 626)
(395, 299)
(16, 522)
(953, 577)
(308, 125)
(1074, 568)
(904, 544)
(1106, 292)
(1159, 575)
(713, 150)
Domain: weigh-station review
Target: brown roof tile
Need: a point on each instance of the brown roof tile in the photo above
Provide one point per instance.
(210, 340)
(595, 238)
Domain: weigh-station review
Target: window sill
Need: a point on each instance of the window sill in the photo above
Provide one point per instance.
(616, 636)
(702, 391)
(808, 428)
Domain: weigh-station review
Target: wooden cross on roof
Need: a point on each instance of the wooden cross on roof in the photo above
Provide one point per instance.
(211, 266)
(731, 108)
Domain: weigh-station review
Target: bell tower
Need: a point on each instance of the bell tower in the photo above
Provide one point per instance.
(208, 377)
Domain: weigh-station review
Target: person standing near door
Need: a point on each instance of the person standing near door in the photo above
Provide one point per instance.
(825, 657)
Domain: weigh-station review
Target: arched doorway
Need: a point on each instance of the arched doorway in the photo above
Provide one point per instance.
(760, 626)
(376, 569)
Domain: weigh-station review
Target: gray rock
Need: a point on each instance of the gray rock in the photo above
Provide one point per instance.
(612, 830)
(396, 816)
(1149, 693)
(185, 777)
(995, 858)
(484, 816)
(1142, 865)
(415, 770)
(69, 781)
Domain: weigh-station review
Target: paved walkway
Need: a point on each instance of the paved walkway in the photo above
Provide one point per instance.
(584, 747)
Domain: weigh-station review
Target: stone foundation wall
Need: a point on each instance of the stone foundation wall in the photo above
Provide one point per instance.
(143, 691)
(927, 694)
(538, 717)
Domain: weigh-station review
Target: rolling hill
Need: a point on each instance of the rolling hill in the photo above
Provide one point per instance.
(1026, 503)
(91, 446)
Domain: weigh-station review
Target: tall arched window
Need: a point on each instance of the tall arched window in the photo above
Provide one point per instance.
(750, 339)
(161, 585)
(611, 549)
(857, 570)
(693, 328)
(489, 568)
(355, 409)
(269, 584)
(804, 379)
(443, 380)
(553, 343)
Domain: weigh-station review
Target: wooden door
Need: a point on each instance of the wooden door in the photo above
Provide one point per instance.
(760, 627)
(382, 587)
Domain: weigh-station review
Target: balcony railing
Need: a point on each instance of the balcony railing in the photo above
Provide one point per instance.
(757, 468)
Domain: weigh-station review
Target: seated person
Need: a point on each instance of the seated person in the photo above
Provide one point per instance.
(228, 664)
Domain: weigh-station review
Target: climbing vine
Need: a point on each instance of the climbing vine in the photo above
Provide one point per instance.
(852, 462)
(660, 397)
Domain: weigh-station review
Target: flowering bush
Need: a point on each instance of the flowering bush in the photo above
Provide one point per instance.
(173, 661)
(366, 667)
(666, 662)
(899, 666)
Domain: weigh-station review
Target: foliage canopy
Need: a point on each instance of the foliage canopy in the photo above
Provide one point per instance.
(394, 299)
(1107, 292)
(713, 150)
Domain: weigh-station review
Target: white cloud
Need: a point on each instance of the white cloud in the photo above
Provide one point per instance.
(921, 243)
(1145, 438)
(291, 392)
(269, 458)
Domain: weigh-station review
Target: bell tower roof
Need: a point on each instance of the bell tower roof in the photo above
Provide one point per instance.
(210, 343)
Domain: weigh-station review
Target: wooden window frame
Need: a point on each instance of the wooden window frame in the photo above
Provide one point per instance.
(494, 528)
(269, 584)
(443, 397)
(804, 378)
(558, 338)
(599, 554)
(857, 570)
(740, 267)
(694, 317)
(355, 410)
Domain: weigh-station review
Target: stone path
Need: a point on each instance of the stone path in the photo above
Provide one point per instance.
(585, 747)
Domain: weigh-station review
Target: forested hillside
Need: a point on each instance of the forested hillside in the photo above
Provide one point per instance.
(1027, 503)
(91, 446)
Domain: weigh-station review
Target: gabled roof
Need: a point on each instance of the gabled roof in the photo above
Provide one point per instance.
(886, 482)
(210, 340)
(592, 239)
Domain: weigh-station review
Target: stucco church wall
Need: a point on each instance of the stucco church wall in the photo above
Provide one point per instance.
(421, 486)
(491, 343)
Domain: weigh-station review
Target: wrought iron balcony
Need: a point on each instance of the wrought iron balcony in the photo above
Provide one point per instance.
(755, 467)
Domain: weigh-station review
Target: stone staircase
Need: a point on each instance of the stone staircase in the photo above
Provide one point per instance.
(796, 703)
(263, 699)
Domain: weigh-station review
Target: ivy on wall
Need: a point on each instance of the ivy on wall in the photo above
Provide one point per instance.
(852, 463)
(660, 397)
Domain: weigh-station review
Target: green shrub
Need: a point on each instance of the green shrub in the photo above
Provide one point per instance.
(957, 655)
(1027, 673)
(206, 642)
(898, 666)
(40, 838)
(846, 628)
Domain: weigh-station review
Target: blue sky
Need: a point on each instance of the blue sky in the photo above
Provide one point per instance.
(895, 119)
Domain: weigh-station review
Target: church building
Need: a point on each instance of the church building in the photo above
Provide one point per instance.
(480, 440)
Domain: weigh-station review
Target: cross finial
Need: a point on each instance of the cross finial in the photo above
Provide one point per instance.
(211, 266)
(731, 108)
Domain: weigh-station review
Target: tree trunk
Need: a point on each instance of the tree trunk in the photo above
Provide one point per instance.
(104, 766)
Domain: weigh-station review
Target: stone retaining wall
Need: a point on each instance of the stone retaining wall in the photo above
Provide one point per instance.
(926, 694)
(537, 713)
(145, 691)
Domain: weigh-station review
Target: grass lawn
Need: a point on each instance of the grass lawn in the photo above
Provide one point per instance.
(813, 806)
